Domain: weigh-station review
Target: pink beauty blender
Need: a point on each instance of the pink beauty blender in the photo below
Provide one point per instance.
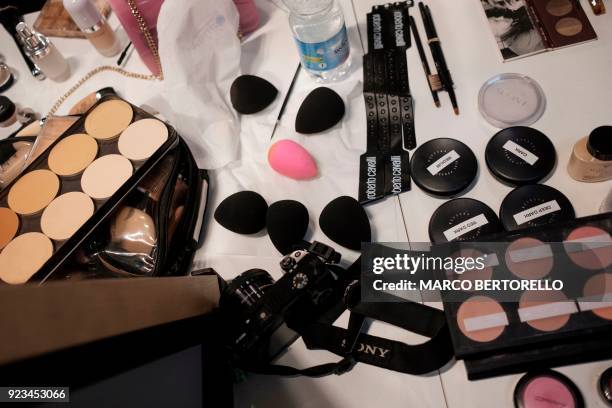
(292, 160)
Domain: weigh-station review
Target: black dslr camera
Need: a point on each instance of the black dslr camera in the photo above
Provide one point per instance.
(263, 317)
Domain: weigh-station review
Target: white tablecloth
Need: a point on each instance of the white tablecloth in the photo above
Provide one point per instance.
(577, 82)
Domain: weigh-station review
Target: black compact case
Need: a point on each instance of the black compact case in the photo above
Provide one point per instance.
(567, 326)
(520, 155)
(532, 205)
(166, 193)
(463, 219)
(444, 167)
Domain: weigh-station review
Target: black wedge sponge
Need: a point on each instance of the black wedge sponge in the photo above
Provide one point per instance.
(243, 212)
(287, 223)
(346, 223)
(251, 94)
(321, 110)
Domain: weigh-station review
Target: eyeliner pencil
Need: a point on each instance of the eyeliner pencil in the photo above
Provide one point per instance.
(419, 44)
(284, 105)
(438, 55)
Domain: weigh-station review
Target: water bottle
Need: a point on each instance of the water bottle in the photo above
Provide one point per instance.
(321, 38)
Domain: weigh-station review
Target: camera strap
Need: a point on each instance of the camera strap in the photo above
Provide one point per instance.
(386, 353)
(354, 346)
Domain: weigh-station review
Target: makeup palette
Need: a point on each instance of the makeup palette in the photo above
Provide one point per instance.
(75, 184)
(498, 333)
(561, 22)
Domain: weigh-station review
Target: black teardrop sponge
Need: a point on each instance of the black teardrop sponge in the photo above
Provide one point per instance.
(243, 212)
(346, 223)
(322, 109)
(251, 94)
(287, 223)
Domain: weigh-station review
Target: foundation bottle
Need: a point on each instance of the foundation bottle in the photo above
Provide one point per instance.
(94, 26)
(591, 159)
(43, 53)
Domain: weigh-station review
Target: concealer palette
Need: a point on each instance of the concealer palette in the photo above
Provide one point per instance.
(498, 332)
(75, 184)
(561, 22)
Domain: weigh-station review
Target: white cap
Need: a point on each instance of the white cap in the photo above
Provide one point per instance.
(83, 12)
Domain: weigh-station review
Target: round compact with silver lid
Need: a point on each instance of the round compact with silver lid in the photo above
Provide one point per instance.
(511, 100)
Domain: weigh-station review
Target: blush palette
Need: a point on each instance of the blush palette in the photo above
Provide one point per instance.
(501, 332)
(75, 184)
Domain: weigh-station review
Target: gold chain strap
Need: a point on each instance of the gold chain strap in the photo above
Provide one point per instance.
(144, 29)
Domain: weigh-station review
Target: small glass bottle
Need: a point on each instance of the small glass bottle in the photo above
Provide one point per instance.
(43, 53)
(94, 26)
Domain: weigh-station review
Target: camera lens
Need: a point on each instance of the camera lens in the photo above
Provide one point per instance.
(246, 289)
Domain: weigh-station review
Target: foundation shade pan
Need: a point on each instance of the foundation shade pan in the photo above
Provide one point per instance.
(24, 256)
(142, 138)
(107, 120)
(473, 274)
(589, 247)
(33, 191)
(569, 26)
(559, 8)
(105, 176)
(65, 215)
(598, 296)
(9, 225)
(547, 389)
(72, 155)
(546, 311)
(533, 205)
(529, 258)
(481, 319)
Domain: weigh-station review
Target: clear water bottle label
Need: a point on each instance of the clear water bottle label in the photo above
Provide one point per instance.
(326, 55)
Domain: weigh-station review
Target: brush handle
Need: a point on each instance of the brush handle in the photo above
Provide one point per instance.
(419, 44)
(438, 55)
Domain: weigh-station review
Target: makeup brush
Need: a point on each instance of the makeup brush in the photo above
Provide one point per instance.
(284, 105)
(429, 77)
(438, 55)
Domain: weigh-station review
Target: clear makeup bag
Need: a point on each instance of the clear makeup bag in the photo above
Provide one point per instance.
(153, 231)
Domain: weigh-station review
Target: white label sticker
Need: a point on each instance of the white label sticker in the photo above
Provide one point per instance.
(536, 212)
(531, 253)
(520, 152)
(554, 309)
(485, 322)
(595, 302)
(588, 243)
(491, 260)
(442, 162)
(466, 226)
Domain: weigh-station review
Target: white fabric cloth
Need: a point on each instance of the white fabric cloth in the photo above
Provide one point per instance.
(200, 55)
